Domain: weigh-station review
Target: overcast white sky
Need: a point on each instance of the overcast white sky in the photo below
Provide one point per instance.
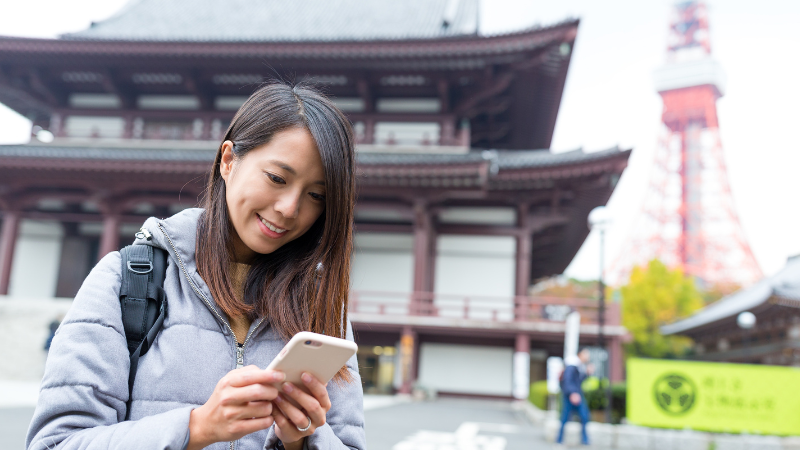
(609, 98)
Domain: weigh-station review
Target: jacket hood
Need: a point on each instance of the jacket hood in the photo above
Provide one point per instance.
(177, 235)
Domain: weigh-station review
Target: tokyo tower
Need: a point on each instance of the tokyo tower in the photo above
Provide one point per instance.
(688, 219)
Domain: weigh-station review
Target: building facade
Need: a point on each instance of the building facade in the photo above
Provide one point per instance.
(460, 204)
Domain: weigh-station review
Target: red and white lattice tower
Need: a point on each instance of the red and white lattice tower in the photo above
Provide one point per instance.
(688, 219)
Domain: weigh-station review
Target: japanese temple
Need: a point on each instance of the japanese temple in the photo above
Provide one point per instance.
(772, 339)
(461, 204)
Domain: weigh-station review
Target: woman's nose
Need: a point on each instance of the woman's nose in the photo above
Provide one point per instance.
(288, 205)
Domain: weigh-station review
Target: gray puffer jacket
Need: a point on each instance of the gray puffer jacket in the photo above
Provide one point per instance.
(85, 386)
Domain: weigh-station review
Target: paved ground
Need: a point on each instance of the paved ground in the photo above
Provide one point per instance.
(451, 424)
(393, 424)
(13, 425)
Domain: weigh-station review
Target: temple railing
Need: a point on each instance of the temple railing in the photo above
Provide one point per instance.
(497, 309)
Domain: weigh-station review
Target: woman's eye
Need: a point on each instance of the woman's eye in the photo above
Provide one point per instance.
(276, 179)
(316, 196)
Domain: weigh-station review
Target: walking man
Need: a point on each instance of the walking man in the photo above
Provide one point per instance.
(572, 395)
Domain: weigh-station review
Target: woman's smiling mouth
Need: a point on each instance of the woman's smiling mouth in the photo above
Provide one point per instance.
(270, 226)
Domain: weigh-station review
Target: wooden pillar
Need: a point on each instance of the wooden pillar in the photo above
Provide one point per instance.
(55, 125)
(615, 360)
(423, 267)
(369, 131)
(8, 240)
(109, 241)
(523, 263)
(408, 359)
(521, 371)
(447, 131)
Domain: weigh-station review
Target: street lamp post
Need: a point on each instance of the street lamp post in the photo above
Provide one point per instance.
(599, 220)
(746, 321)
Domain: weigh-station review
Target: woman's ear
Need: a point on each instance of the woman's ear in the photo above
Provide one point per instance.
(226, 161)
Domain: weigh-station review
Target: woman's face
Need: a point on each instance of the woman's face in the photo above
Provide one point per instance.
(275, 192)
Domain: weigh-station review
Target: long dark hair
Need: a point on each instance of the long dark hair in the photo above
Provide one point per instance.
(302, 286)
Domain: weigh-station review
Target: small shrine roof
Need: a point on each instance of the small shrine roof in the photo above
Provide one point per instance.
(285, 21)
(783, 287)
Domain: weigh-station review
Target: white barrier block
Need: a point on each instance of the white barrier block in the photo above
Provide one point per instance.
(631, 437)
(754, 442)
(663, 440)
(551, 427)
(790, 443)
(729, 441)
(692, 440)
(572, 434)
(601, 435)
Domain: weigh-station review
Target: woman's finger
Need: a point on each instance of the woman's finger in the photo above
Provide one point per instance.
(251, 393)
(255, 410)
(317, 389)
(306, 402)
(298, 417)
(286, 430)
(244, 377)
(247, 426)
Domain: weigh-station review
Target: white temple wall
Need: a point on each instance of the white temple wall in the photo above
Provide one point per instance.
(34, 270)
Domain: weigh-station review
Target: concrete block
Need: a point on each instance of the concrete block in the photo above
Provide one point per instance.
(572, 434)
(729, 441)
(692, 440)
(551, 427)
(663, 440)
(630, 437)
(532, 413)
(790, 443)
(602, 435)
(754, 442)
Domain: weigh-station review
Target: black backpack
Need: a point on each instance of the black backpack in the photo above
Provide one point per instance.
(143, 302)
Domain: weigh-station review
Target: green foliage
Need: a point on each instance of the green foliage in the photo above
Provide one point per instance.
(596, 399)
(653, 297)
(591, 384)
(538, 394)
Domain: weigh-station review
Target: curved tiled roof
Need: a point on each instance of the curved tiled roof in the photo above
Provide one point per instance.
(785, 284)
(504, 159)
(285, 21)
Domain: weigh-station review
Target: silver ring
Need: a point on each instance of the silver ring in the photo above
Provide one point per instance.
(303, 430)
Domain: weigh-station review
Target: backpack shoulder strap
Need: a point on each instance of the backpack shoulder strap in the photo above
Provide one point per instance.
(142, 301)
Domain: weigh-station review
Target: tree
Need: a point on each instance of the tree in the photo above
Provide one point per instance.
(653, 297)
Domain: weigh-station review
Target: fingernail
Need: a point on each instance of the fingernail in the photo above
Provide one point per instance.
(306, 378)
(287, 387)
(278, 376)
(278, 399)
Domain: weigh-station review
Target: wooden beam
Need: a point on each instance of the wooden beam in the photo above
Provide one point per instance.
(39, 84)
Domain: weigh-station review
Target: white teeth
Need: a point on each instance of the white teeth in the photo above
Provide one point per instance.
(271, 227)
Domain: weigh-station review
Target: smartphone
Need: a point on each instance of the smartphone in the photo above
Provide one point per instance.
(317, 354)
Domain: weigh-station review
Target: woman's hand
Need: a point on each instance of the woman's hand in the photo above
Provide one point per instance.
(241, 404)
(297, 409)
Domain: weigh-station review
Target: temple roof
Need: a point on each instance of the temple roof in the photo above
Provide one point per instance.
(280, 20)
(204, 152)
(781, 288)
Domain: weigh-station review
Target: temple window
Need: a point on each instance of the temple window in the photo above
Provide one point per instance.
(407, 133)
(94, 101)
(94, 127)
(174, 102)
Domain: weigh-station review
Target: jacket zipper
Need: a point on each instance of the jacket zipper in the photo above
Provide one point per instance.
(239, 350)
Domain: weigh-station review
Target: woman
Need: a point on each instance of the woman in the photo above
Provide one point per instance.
(267, 256)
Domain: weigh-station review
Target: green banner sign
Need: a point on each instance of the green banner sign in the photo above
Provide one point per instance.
(730, 398)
